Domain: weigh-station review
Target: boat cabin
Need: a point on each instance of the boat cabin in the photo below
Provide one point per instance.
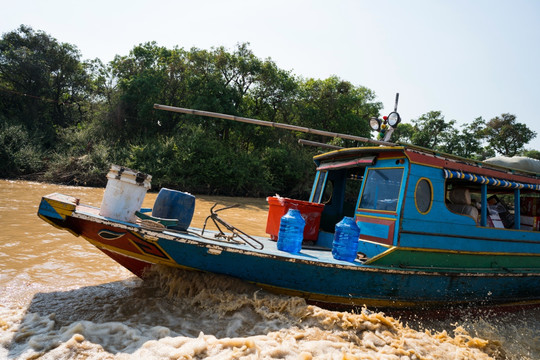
(410, 197)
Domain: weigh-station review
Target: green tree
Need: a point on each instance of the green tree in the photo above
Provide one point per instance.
(432, 131)
(467, 142)
(240, 71)
(336, 105)
(44, 83)
(142, 78)
(472, 137)
(275, 94)
(535, 154)
(271, 98)
(403, 133)
(506, 136)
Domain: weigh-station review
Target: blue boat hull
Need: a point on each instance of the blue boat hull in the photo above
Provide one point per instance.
(312, 274)
(354, 283)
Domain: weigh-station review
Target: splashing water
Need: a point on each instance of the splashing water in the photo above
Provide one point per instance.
(182, 314)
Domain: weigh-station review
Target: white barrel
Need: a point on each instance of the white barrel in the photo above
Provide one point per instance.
(124, 193)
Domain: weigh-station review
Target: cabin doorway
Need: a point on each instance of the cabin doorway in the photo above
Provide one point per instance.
(338, 190)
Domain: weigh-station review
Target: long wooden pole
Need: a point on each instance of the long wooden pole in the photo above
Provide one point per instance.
(270, 124)
(318, 144)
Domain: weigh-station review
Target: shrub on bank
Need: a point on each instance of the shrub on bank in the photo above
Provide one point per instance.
(87, 170)
(188, 160)
(18, 155)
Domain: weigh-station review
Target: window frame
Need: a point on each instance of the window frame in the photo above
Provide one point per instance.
(430, 195)
(319, 181)
(366, 178)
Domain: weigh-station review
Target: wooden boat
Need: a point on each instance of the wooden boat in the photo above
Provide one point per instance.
(435, 230)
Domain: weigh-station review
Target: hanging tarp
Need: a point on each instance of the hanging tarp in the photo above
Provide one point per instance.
(365, 161)
(480, 179)
(516, 162)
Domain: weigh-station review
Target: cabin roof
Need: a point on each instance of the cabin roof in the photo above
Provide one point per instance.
(429, 157)
(354, 152)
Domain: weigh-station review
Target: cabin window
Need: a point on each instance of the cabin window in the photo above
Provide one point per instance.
(352, 190)
(381, 189)
(530, 211)
(464, 198)
(493, 202)
(518, 209)
(320, 183)
(423, 195)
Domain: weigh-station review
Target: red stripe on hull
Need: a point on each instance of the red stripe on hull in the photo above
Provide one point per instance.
(91, 230)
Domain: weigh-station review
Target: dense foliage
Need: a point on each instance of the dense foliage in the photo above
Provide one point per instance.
(66, 120)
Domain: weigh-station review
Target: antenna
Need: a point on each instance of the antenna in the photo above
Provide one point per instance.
(395, 105)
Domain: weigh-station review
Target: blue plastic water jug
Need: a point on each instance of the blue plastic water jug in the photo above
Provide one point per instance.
(291, 232)
(345, 244)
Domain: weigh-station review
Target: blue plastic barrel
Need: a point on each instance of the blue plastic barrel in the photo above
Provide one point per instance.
(172, 204)
(291, 232)
(345, 244)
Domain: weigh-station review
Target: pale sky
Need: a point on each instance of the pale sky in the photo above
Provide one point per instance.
(466, 58)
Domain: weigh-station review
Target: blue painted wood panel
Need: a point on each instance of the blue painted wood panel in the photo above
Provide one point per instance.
(442, 229)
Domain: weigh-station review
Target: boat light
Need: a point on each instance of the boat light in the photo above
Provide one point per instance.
(375, 123)
(393, 119)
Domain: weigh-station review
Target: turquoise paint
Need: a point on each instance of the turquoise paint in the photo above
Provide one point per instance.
(370, 249)
(314, 187)
(325, 239)
(46, 209)
(444, 230)
(376, 230)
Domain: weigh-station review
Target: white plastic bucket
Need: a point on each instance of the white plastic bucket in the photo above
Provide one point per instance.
(124, 193)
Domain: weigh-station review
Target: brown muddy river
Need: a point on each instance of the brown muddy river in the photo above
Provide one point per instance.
(60, 298)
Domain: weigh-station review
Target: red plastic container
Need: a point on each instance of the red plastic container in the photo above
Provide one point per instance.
(311, 212)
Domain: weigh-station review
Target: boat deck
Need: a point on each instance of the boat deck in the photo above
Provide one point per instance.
(313, 253)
